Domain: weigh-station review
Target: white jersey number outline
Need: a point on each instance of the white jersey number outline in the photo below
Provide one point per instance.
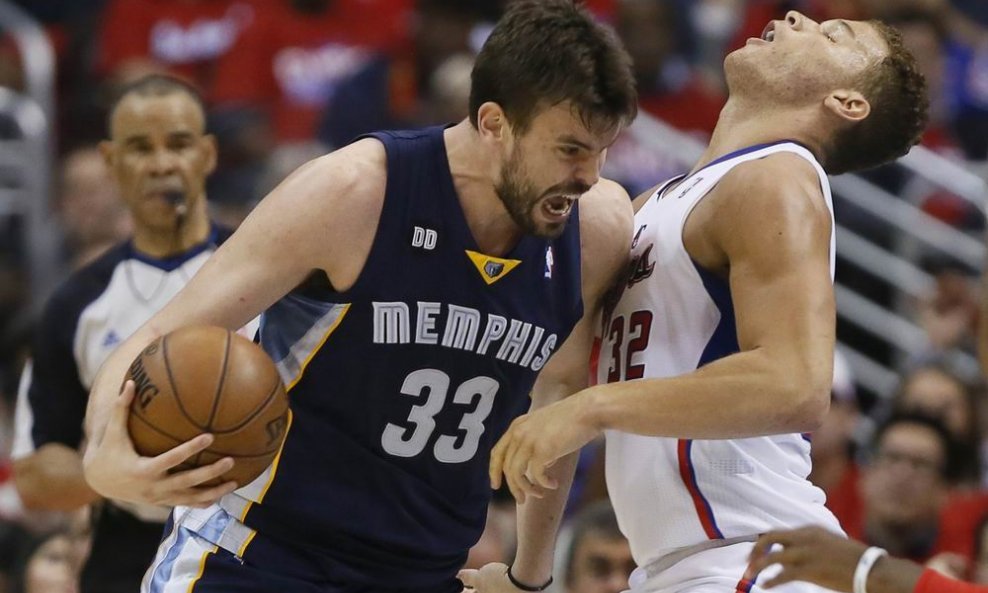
(403, 441)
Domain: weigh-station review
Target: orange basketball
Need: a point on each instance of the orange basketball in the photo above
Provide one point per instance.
(208, 379)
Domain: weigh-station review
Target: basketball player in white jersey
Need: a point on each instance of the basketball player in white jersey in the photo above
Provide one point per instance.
(717, 359)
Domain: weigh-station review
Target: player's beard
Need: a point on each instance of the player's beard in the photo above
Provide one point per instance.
(521, 198)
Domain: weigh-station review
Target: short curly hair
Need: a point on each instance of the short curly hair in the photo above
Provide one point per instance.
(896, 90)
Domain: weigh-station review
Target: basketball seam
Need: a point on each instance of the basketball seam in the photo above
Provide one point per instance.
(171, 382)
(158, 430)
(219, 385)
(257, 411)
(179, 441)
(240, 455)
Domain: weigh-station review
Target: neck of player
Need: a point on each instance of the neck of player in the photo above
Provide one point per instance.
(169, 240)
(491, 226)
(741, 125)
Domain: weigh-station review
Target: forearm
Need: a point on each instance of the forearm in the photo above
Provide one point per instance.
(51, 479)
(538, 525)
(742, 395)
(108, 381)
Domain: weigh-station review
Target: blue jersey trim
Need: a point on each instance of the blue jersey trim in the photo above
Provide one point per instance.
(691, 468)
(724, 340)
(748, 150)
(163, 573)
(171, 263)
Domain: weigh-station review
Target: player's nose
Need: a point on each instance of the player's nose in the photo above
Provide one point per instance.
(797, 21)
(587, 174)
(163, 162)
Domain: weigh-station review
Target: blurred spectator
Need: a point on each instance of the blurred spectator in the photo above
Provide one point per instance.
(447, 95)
(499, 540)
(283, 161)
(976, 10)
(187, 39)
(12, 538)
(294, 66)
(442, 29)
(934, 390)
(90, 208)
(905, 489)
(967, 77)
(668, 86)
(48, 564)
(70, 27)
(924, 36)
(832, 452)
(979, 572)
(441, 52)
(597, 555)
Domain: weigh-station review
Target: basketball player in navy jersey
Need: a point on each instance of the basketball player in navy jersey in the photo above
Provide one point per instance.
(159, 154)
(414, 285)
(717, 357)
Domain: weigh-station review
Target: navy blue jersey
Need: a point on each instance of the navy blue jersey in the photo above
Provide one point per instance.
(401, 385)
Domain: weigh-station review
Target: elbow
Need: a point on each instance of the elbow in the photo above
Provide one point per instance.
(808, 401)
(31, 489)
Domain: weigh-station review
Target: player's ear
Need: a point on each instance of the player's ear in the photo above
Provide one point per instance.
(208, 142)
(491, 121)
(106, 151)
(848, 105)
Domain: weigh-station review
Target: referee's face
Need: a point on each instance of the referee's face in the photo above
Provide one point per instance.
(159, 153)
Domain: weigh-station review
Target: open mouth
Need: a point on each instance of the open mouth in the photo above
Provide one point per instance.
(768, 34)
(558, 207)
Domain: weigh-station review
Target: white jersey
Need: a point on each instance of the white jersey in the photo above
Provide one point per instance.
(673, 318)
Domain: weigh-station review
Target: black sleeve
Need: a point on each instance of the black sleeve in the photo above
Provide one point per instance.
(56, 396)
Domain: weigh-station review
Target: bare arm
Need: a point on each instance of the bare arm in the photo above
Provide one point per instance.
(767, 226)
(815, 555)
(605, 228)
(323, 217)
(770, 236)
(51, 479)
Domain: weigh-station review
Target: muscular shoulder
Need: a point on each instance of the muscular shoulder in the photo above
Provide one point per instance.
(353, 176)
(606, 220)
(328, 210)
(773, 205)
(780, 185)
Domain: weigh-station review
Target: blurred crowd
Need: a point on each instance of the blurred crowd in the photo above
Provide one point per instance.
(288, 80)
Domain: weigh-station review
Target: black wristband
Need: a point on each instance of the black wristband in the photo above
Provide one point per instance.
(519, 585)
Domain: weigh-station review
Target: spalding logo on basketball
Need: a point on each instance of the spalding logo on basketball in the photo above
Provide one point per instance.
(208, 379)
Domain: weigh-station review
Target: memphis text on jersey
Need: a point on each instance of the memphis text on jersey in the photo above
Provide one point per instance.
(463, 328)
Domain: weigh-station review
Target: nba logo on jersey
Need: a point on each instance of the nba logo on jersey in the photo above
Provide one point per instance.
(493, 269)
(548, 262)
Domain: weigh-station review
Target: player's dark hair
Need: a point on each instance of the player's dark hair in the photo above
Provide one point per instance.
(598, 519)
(544, 52)
(157, 85)
(896, 90)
